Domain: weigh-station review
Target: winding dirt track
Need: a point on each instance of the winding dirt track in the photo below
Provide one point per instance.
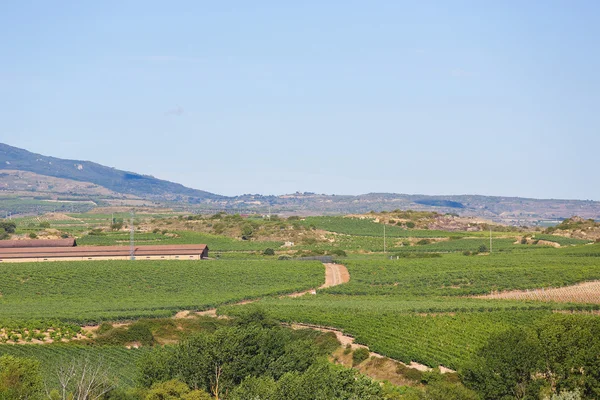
(335, 274)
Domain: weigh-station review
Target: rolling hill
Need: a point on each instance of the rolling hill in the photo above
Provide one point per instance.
(124, 182)
(37, 178)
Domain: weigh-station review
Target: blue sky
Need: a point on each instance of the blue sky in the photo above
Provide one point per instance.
(345, 97)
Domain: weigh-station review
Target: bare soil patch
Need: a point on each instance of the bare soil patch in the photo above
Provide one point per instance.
(586, 292)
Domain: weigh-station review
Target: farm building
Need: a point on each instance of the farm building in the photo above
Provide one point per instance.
(21, 251)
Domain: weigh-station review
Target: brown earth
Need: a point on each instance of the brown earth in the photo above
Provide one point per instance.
(586, 292)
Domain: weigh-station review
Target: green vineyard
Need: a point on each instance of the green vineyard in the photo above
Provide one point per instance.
(92, 291)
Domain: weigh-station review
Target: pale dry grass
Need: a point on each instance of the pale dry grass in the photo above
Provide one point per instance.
(586, 292)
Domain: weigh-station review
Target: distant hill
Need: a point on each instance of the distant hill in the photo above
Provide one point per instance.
(124, 182)
(28, 181)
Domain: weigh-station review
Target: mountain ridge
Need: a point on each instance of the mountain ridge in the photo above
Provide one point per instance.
(127, 182)
(127, 185)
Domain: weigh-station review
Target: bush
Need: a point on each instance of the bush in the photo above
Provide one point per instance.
(44, 225)
(103, 328)
(269, 252)
(284, 257)
(482, 249)
(409, 373)
(466, 253)
(360, 355)
(348, 349)
(410, 224)
(423, 242)
(338, 252)
(32, 235)
(8, 227)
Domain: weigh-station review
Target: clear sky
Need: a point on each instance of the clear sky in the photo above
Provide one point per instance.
(344, 97)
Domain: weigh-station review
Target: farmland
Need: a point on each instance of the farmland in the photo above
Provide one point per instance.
(418, 308)
(119, 360)
(84, 292)
(422, 300)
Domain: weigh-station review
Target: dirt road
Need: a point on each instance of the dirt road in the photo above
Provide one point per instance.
(349, 340)
(335, 274)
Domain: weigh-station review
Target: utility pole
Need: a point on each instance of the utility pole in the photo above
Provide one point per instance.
(131, 232)
(384, 247)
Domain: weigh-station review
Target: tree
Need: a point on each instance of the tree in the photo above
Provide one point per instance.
(174, 389)
(247, 231)
(505, 367)
(570, 349)
(83, 380)
(20, 378)
(8, 227)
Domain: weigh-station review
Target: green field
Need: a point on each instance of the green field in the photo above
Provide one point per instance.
(563, 241)
(121, 362)
(91, 291)
(366, 227)
(214, 242)
(417, 308)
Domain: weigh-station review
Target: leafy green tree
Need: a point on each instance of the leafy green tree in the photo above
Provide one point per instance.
(570, 350)
(8, 226)
(247, 231)
(505, 367)
(325, 381)
(175, 390)
(20, 379)
(263, 388)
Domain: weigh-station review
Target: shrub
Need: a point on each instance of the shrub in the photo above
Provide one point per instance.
(269, 252)
(44, 225)
(284, 257)
(348, 349)
(410, 224)
(8, 227)
(360, 355)
(32, 235)
(338, 252)
(423, 242)
(409, 373)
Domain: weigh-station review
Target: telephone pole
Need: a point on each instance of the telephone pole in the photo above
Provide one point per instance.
(131, 232)
(384, 247)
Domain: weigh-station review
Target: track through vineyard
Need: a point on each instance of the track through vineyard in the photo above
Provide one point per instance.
(335, 274)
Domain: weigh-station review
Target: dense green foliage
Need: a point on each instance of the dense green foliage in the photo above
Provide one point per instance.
(257, 357)
(557, 354)
(111, 290)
